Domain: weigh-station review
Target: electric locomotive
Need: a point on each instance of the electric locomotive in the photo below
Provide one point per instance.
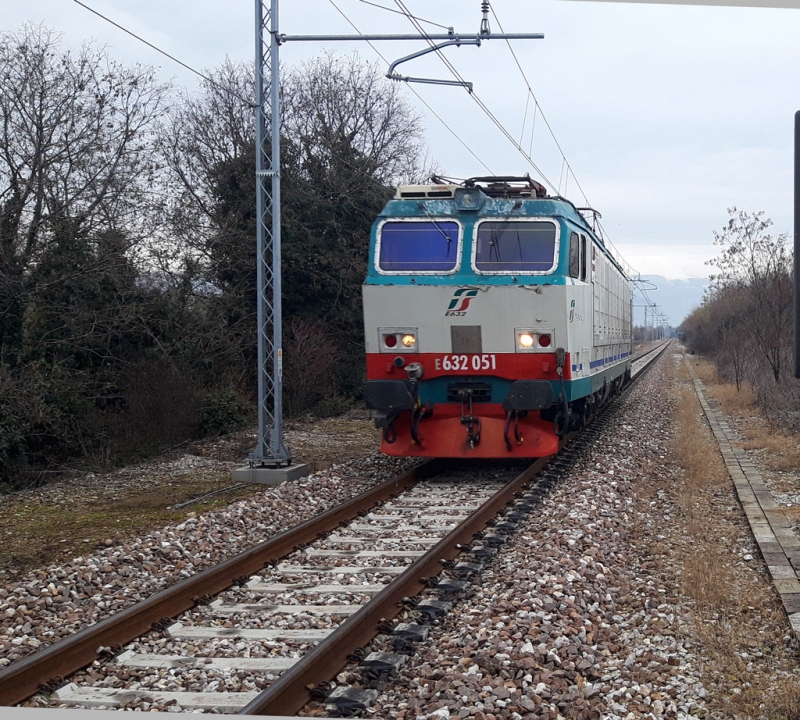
(495, 319)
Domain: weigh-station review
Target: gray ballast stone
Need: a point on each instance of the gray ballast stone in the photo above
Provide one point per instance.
(383, 662)
(347, 700)
(412, 632)
(434, 608)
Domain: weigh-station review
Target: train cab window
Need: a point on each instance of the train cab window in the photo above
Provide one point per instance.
(418, 246)
(574, 255)
(510, 246)
(583, 258)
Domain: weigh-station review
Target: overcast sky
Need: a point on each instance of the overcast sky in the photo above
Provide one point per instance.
(667, 114)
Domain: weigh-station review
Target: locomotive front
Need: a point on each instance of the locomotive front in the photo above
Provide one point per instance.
(478, 309)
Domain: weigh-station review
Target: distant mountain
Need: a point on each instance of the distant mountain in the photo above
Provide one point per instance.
(674, 298)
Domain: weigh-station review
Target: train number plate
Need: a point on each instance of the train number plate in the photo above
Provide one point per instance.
(466, 363)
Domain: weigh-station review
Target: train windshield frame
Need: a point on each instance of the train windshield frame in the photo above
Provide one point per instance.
(418, 246)
(515, 246)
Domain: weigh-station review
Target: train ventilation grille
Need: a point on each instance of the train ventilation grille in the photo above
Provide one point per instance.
(481, 391)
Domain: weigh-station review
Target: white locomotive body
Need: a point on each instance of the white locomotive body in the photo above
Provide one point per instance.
(495, 319)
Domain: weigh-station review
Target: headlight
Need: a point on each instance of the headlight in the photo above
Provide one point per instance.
(525, 340)
(409, 340)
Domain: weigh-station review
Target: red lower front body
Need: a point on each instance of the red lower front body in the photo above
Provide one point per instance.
(444, 435)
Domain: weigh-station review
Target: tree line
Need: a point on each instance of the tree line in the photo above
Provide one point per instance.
(745, 322)
(127, 246)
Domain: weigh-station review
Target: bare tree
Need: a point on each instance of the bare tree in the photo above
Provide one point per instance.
(728, 307)
(75, 164)
(76, 169)
(760, 265)
(347, 133)
(207, 143)
(343, 111)
(205, 133)
(351, 135)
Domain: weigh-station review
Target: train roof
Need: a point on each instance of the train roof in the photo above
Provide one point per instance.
(503, 187)
(498, 187)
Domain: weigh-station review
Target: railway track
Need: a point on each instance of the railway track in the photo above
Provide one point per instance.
(290, 612)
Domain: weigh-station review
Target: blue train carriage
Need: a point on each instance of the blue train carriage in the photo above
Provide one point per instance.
(495, 319)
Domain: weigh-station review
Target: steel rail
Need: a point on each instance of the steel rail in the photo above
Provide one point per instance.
(290, 692)
(648, 361)
(25, 677)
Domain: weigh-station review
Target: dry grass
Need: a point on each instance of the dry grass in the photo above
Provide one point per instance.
(60, 521)
(740, 403)
(777, 449)
(737, 617)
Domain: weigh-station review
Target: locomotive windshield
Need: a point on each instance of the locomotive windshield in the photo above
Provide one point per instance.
(418, 246)
(505, 246)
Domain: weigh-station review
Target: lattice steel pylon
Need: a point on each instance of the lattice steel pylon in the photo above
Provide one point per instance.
(269, 449)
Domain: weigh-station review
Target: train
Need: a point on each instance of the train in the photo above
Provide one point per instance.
(496, 319)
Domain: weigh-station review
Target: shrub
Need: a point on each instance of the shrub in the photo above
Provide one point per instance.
(332, 406)
(161, 409)
(312, 365)
(223, 410)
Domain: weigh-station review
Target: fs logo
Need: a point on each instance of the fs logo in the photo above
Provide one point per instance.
(572, 311)
(464, 297)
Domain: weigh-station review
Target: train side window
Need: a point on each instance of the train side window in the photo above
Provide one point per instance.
(574, 256)
(583, 258)
(426, 246)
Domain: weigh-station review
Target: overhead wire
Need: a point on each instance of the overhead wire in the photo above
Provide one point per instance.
(398, 12)
(648, 302)
(208, 79)
(249, 103)
(474, 95)
(569, 171)
(538, 106)
(566, 168)
(415, 21)
(629, 270)
(419, 97)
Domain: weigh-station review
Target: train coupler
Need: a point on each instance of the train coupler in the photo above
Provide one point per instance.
(468, 419)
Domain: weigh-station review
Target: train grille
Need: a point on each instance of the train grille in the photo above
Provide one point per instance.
(481, 391)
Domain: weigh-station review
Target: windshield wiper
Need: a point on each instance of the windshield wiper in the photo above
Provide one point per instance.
(436, 225)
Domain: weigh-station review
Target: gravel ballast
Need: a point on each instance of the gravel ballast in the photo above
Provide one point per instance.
(55, 602)
(582, 613)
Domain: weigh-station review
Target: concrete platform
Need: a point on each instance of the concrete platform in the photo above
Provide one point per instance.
(269, 475)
